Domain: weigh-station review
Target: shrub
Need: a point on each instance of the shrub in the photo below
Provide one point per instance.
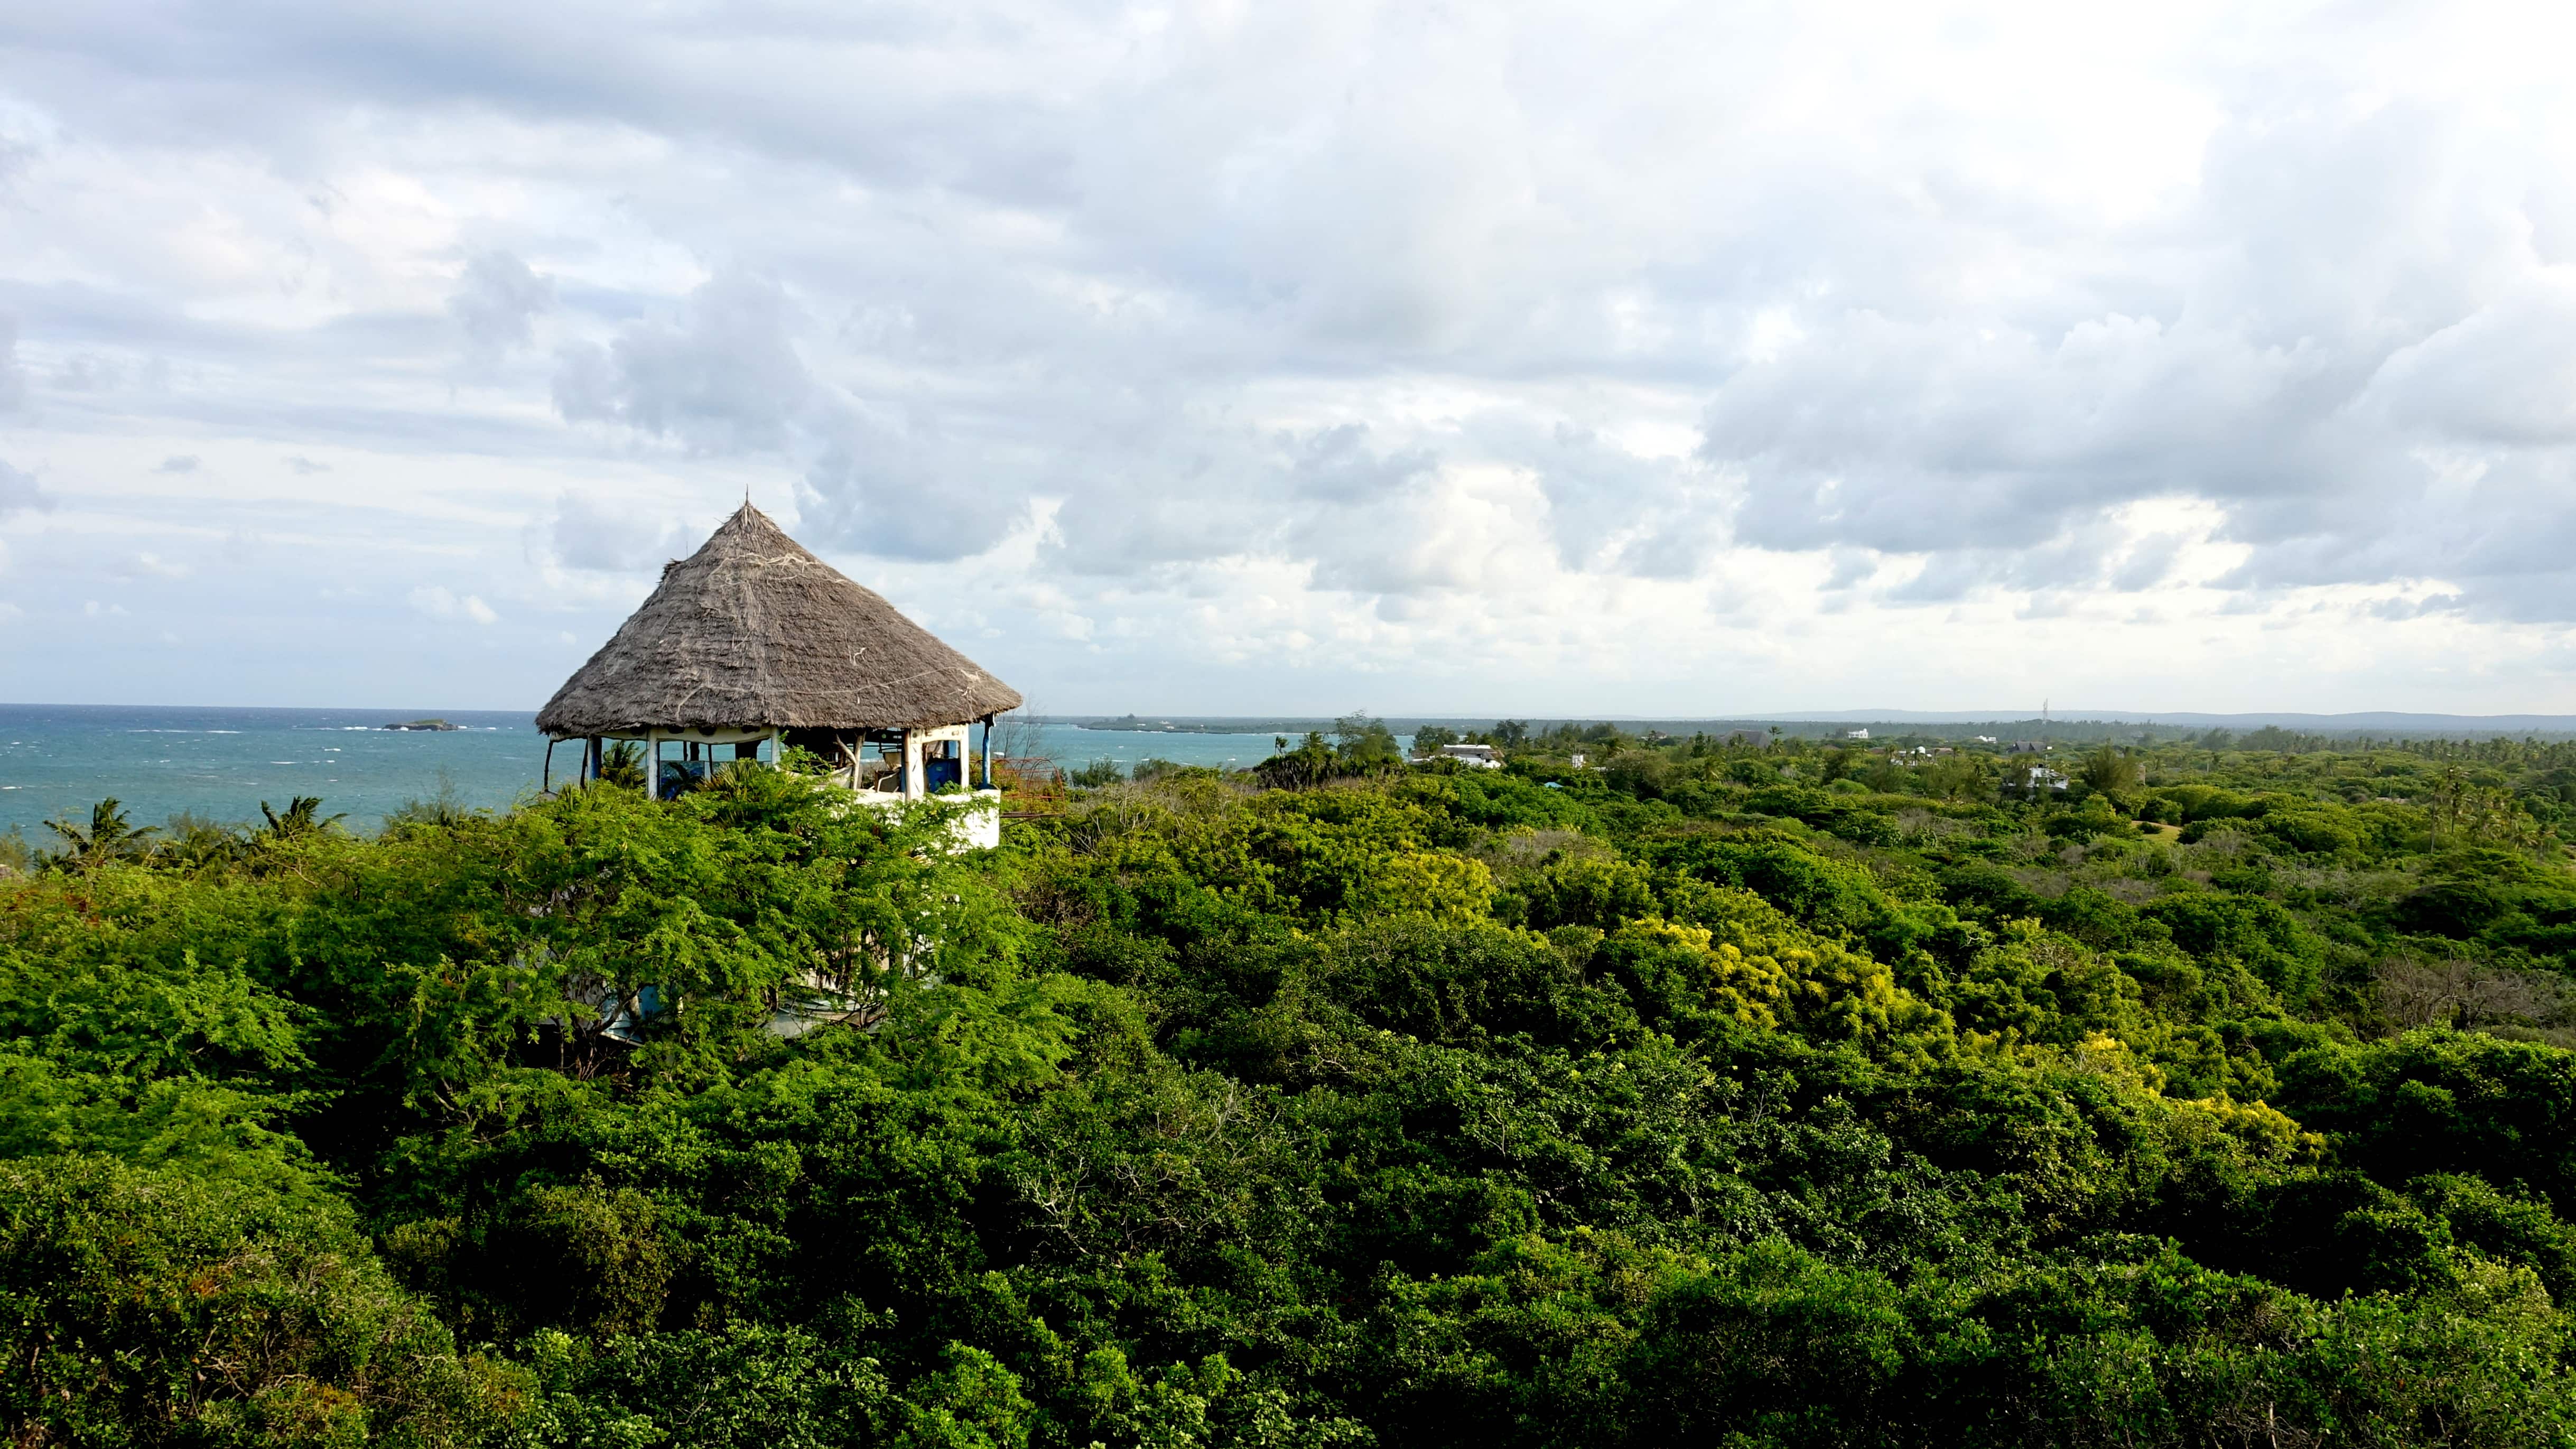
(157, 1307)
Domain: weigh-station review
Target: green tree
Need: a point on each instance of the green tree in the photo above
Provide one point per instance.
(1365, 745)
(621, 764)
(1402, 1106)
(109, 836)
(1310, 764)
(2109, 770)
(143, 1307)
(303, 817)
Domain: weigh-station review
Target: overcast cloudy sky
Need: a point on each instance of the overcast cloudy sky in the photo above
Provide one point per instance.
(1552, 359)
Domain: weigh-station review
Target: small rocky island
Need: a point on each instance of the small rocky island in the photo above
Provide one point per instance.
(424, 724)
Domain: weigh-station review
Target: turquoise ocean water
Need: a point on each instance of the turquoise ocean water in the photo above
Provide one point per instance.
(221, 763)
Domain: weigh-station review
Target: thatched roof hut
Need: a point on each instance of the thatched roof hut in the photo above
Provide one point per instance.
(753, 638)
(753, 630)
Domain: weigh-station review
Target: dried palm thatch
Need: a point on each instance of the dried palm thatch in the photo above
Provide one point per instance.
(752, 631)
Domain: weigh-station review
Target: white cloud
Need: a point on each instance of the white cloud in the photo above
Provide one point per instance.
(497, 302)
(13, 377)
(2503, 376)
(600, 534)
(1538, 355)
(18, 492)
(440, 603)
(724, 377)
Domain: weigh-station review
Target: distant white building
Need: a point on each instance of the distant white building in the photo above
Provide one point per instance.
(2044, 778)
(1480, 757)
(1855, 734)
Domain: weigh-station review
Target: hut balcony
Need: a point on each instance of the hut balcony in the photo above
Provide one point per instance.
(977, 823)
(890, 769)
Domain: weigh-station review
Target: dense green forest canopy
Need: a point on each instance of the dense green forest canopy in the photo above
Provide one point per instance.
(1754, 1091)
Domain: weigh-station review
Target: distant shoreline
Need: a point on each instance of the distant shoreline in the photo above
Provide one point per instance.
(2067, 724)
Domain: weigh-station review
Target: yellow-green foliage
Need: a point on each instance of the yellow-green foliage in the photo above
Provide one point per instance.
(1309, 856)
(1831, 989)
(1756, 990)
(1449, 888)
(2035, 985)
(2265, 1133)
(1596, 890)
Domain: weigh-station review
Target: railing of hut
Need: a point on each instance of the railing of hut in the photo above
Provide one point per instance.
(1032, 786)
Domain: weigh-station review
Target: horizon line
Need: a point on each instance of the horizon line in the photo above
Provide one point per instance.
(1846, 716)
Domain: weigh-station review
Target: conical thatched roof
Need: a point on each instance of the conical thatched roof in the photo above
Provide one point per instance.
(752, 630)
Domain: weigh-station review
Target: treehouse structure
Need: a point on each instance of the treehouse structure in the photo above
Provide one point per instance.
(752, 644)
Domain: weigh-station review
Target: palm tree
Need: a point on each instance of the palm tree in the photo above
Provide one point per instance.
(622, 764)
(193, 842)
(2109, 771)
(110, 836)
(299, 820)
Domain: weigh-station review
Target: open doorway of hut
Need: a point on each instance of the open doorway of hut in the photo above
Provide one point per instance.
(943, 763)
